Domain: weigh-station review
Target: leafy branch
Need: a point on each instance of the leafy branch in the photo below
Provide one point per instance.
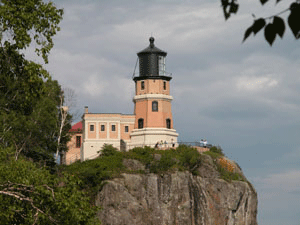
(275, 27)
(17, 191)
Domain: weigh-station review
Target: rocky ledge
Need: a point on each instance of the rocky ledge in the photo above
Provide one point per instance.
(176, 198)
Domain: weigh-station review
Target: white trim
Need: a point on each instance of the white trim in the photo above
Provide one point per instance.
(110, 119)
(107, 130)
(97, 130)
(150, 136)
(152, 96)
(154, 131)
(125, 122)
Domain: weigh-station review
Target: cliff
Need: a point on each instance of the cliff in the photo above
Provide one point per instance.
(178, 197)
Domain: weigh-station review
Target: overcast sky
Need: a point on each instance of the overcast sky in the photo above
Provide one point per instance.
(244, 97)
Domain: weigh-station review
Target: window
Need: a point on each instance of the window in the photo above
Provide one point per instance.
(154, 106)
(142, 85)
(92, 128)
(141, 123)
(113, 127)
(165, 85)
(162, 65)
(126, 129)
(102, 127)
(78, 141)
(168, 121)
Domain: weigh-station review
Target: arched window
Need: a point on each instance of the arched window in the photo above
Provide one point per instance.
(168, 123)
(154, 106)
(141, 123)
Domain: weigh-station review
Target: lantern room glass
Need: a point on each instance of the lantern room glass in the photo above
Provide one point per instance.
(162, 65)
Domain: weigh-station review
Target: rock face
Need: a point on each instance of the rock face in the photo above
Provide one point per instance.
(176, 198)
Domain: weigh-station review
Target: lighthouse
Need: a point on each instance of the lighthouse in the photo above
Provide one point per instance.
(152, 100)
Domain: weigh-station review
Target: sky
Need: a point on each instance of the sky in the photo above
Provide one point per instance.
(241, 96)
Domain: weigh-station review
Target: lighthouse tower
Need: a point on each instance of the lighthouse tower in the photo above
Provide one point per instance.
(152, 100)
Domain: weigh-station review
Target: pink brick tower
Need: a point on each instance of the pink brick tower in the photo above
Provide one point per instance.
(152, 100)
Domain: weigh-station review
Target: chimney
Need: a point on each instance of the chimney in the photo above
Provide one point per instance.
(86, 109)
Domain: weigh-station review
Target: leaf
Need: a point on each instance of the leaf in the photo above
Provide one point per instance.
(233, 7)
(248, 32)
(263, 1)
(229, 7)
(294, 6)
(293, 21)
(270, 33)
(225, 2)
(226, 14)
(279, 25)
(258, 25)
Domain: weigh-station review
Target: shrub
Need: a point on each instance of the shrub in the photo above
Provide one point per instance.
(189, 158)
(94, 172)
(227, 175)
(29, 186)
(108, 150)
(217, 150)
(165, 163)
(212, 154)
(145, 155)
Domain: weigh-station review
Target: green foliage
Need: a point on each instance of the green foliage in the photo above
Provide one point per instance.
(31, 195)
(227, 175)
(183, 158)
(32, 131)
(217, 150)
(29, 124)
(166, 162)
(29, 99)
(21, 22)
(94, 172)
(214, 155)
(108, 150)
(145, 155)
(189, 158)
(273, 25)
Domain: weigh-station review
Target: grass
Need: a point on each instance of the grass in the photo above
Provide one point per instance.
(94, 173)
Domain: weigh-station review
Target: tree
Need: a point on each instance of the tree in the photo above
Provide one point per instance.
(32, 195)
(30, 103)
(29, 99)
(273, 25)
(67, 102)
(24, 21)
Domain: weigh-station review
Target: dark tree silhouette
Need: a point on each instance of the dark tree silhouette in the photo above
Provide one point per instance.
(273, 28)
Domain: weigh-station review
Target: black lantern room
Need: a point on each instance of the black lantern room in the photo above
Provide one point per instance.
(152, 63)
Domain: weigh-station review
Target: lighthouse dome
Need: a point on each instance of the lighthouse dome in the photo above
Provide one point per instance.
(152, 61)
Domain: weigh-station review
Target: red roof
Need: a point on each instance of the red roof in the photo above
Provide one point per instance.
(76, 127)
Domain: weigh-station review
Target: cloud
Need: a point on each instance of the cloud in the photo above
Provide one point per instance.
(284, 182)
(255, 83)
(93, 86)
